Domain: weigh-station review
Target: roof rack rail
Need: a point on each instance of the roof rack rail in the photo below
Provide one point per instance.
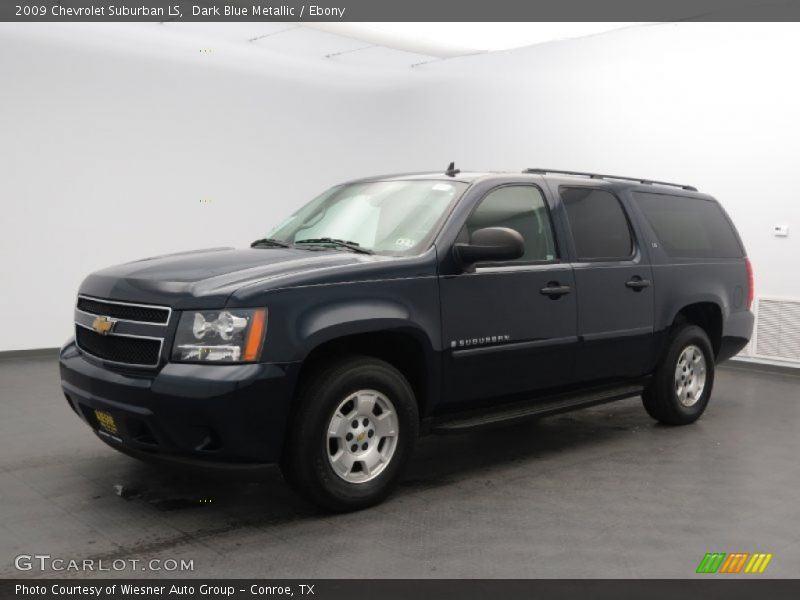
(598, 176)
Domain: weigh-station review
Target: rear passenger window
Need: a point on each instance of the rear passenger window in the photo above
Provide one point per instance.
(522, 208)
(599, 227)
(689, 227)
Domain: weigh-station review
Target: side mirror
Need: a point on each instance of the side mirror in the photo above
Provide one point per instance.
(489, 244)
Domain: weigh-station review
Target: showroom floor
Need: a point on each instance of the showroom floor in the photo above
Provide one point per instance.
(599, 493)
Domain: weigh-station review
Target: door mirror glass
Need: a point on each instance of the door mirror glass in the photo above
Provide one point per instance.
(490, 244)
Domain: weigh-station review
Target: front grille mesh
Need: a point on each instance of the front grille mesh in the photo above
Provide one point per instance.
(129, 312)
(133, 351)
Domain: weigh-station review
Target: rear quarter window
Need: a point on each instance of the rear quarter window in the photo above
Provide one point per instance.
(689, 227)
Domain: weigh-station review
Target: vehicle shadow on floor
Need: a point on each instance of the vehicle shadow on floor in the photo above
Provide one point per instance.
(261, 497)
(448, 459)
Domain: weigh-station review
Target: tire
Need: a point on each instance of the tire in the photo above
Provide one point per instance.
(679, 394)
(352, 468)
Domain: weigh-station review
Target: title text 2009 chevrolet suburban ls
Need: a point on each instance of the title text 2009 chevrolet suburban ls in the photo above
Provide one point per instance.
(393, 306)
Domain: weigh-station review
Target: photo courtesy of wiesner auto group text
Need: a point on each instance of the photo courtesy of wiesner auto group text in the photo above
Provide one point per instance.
(398, 300)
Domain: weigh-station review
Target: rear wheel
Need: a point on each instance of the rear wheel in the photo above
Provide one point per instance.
(353, 432)
(682, 384)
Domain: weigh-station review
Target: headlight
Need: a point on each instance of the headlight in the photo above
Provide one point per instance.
(220, 335)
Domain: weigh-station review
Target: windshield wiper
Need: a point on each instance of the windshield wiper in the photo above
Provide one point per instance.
(269, 243)
(338, 243)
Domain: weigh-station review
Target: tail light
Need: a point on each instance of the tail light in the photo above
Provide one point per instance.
(750, 284)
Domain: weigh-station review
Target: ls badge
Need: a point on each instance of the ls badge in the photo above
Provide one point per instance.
(103, 325)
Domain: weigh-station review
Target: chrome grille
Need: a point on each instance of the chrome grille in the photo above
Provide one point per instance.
(141, 313)
(120, 349)
(121, 333)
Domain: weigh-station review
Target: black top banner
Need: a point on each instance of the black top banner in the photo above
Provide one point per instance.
(400, 10)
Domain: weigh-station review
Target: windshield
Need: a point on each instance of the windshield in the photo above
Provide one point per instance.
(386, 217)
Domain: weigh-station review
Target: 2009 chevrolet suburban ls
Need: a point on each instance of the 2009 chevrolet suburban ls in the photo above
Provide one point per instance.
(393, 306)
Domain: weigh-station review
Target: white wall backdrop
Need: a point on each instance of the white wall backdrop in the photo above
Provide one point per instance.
(117, 145)
(712, 105)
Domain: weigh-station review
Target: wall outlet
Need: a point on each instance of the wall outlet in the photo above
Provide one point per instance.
(781, 230)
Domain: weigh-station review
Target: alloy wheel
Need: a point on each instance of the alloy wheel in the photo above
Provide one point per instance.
(690, 376)
(362, 436)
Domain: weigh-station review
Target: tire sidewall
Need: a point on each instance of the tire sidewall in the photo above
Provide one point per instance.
(688, 336)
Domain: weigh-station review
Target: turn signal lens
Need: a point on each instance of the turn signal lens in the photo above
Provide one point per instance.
(255, 336)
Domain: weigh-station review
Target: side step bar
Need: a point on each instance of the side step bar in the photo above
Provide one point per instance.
(518, 412)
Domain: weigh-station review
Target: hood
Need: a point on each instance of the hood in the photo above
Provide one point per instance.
(206, 278)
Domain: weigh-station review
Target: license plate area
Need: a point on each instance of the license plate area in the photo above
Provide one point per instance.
(106, 424)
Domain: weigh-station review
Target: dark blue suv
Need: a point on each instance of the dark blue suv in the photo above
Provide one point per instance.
(393, 306)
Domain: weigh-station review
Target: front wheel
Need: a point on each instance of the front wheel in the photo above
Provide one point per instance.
(681, 386)
(352, 434)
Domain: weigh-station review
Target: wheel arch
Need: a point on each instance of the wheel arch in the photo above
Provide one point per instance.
(380, 329)
(707, 315)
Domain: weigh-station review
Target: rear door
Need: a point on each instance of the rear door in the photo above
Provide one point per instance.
(506, 333)
(614, 287)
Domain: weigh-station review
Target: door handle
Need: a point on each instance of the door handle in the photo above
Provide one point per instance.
(637, 284)
(554, 290)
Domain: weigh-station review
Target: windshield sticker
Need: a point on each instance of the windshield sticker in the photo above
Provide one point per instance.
(405, 242)
(443, 187)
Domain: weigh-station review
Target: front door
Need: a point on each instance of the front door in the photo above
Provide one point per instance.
(510, 327)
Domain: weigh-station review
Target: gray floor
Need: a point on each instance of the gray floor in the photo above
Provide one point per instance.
(599, 493)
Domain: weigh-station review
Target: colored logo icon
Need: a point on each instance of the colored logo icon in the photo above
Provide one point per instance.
(736, 562)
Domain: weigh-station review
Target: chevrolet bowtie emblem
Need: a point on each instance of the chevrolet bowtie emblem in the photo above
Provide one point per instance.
(103, 325)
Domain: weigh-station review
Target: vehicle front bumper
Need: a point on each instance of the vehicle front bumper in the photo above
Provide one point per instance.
(213, 413)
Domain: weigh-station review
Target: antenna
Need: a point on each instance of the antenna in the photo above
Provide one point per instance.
(451, 170)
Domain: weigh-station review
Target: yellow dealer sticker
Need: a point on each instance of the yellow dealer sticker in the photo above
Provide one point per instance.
(106, 421)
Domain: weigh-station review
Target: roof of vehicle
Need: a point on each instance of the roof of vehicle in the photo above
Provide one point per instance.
(561, 175)
(466, 177)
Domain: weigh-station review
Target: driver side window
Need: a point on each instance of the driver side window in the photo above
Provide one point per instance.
(518, 207)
